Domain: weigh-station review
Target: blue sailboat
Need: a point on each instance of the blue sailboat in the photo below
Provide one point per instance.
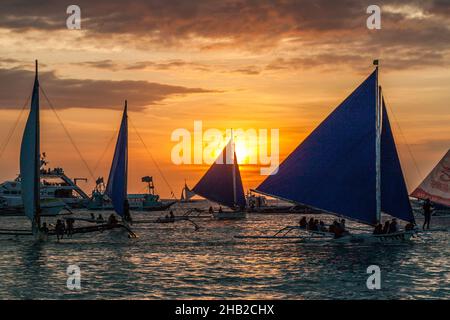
(222, 184)
(349, 165)
(116, 189)
(30, 161)
(30, 164)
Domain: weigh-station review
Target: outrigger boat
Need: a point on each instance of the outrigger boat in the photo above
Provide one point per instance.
(116, 188)
(436, 187)
(222, 184)
(348, 167)
(30, 163)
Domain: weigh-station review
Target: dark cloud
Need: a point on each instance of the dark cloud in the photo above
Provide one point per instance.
(249, 70)
(404, 59)
(339, 27)
(16, 85)
(142, 65)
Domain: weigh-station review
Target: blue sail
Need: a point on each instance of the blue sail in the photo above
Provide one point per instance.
(333, 169)
(217, 183)
(116, 188)
(394, 194)
(30, 159)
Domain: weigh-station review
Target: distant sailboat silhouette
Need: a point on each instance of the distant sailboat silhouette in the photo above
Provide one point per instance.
(222, 184)
(186, 193)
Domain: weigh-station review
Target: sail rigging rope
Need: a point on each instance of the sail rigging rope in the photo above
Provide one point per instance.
(408, 147)
(11, 131)
(105, 150)
(68, 135)
(153, 159)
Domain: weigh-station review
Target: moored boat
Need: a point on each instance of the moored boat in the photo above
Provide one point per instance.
(55, 184)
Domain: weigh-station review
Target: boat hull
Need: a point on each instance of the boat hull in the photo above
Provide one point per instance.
(160, 206)
(49, 208)
(229, 215)
(397, 237)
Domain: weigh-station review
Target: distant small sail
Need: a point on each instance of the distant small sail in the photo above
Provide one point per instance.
(333, 169)
(186, 193)
(436, 185)
(219, 185)
(116, 188)
(394, 194)
(30, 158)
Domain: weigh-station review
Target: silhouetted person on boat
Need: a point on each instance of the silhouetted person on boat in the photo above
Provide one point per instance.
(59, 229)
(378, 229)
(316, 225)
(92, 216)
(171, 216)
(426, 214)
(44, 228)
(322, 226)
(393, 227)
(342, 223)
(303, 223)
(332, 227)
(100, 218)
(220, 210)
(337, 229)
(126, 211)
(386, 227)
(311, 224)
(112, 219)
(410, 226)
(69, 226)
(211, 210)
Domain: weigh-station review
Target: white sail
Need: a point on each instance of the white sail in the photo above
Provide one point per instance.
(436, 185)
(30, 159)
(187, 193)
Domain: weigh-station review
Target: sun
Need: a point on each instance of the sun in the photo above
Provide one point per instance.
(243, 151)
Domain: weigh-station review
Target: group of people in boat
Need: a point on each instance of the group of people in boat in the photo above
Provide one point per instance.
(211, 210)
(337, 227)
(392, 227)
(167, 218)
(99, 218)
(61, 228)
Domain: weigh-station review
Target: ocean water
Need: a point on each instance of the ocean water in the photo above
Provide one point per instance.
(173, 261)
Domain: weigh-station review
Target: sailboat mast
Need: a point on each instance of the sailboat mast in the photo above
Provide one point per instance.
(378, 122)
(126, 150)
(37, 154)
(233, 168)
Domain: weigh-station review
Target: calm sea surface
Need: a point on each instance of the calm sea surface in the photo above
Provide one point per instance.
(172, 261)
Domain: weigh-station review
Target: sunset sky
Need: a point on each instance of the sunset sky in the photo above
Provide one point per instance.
(229, 63)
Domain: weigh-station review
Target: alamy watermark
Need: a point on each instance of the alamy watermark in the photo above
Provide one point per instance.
(73, 22)
(374, 280)
(252, 146)
(73, 277)
(374, 20)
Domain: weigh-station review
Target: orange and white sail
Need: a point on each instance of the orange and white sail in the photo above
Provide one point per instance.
(436, 185)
